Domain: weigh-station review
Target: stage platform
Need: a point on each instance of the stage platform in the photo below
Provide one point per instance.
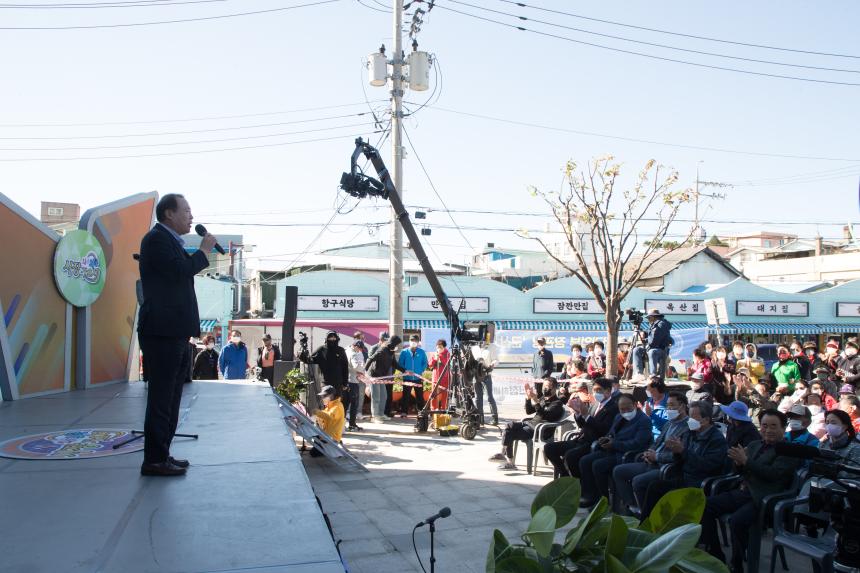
(245, 505)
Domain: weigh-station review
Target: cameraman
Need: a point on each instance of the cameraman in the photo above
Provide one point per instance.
(658, 340)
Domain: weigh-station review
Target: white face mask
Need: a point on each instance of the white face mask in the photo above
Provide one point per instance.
(834, 430)
(439, 349)
(413, 344)
(576, 354)
(795, 425)
(598, 352)
(672, 414)
(721, 355)
(598, 396)
(236, 339)
(628, 415)
(693, 424)
(814, 410)
(210, 346)
(850, 352)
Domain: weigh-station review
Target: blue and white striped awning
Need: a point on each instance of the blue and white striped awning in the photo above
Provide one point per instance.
(556, 325)
(208, 325)
(837, 328)
(416, 324)
(772, 328)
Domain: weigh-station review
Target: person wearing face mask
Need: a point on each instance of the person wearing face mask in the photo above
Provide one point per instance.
(597, 362)
(700, 453)
(850, 404)
(487, 356)
(206, 363)
(233, 362)
(827, 401)
(355, 360)
(737, 354)
(630, 432)
(544, 407)
(414, 361)
(542, 364)
(763, 473)
(655, 405)
(440, 365)
(842, 439)
(266, 357)
(746, 392)
(702, 366)
(848, 367)
(722, 371)
(817, 413)
(799, 419)
(594, 418)
(332, 362)
(804, 364)
(699, 390)
(742, 432)
(752, 363)
(632, 479)
(784, 371)
(575, 365)
(830, 358)
(382, 363)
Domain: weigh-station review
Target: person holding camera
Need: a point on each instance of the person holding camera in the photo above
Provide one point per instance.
(656, 345)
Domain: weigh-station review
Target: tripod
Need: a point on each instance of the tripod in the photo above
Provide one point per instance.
(138, 434)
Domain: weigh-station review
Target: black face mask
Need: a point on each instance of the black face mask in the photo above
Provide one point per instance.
(548, 392)
(331, 342)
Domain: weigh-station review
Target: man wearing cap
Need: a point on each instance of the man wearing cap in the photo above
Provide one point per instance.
(331, 359)
(330, 418)
(542, 364)
(382, 363)
(799, 418)
(378, 392)
(742, 432)
(658, 340)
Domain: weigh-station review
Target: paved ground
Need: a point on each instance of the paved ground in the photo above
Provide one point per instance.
(411, 477)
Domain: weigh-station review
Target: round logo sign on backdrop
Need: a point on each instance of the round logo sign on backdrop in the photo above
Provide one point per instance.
(79, 268)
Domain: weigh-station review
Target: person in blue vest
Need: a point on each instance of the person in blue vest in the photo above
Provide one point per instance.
(413, 361)
(799, 418)
(655, 406)
(233, 362)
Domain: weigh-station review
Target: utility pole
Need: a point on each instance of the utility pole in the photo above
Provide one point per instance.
(699, 234)
(395, 270)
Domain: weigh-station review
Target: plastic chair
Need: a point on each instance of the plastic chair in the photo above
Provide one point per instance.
(820, 550)
(532, 451)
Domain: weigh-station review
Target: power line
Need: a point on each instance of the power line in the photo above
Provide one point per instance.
(654, 44)
(90, 5)
(188, 119)
(639, 140)
(644, 55)
(171, 143)
(680, 34)
(192, 152)
(178, 21)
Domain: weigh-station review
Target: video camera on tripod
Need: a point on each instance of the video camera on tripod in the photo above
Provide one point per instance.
(304, 353)
(842, 502)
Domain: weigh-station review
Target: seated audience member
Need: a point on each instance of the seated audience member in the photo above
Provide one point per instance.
(699, 390)
(799, 419)
(597, 362)
(330, 419)
(630, 432)
(828, 401)
(850, 404)
(745, 391)
(763, 473)
(842, 439)
(544, 408)
(655, 406)
(575, 365)
(742, 432)
(816, 410)
(632, 479)
(593, 418)
(701, 454)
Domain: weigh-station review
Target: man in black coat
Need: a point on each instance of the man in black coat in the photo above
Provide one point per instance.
(383, 361)
(594, 420)
(542, 364)
(331, 358)
(167, 318)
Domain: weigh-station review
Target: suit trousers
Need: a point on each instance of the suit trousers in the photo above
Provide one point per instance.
(168, 359)
(557, 451)
(595, 471)
(743, 513)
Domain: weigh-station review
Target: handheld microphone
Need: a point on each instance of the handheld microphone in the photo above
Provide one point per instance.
(201, 230)
(443, 513)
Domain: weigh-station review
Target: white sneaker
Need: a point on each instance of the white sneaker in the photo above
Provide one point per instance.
(380, 420)
(359, 418)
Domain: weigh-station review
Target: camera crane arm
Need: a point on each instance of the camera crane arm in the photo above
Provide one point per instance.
(359, 185)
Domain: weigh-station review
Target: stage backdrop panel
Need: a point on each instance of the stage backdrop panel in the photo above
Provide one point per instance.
(35, 321)
(110, 322)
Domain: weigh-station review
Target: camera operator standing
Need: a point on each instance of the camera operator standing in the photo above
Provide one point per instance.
(658, 340)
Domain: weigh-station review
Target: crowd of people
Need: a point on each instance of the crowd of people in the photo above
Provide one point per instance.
(634, 450)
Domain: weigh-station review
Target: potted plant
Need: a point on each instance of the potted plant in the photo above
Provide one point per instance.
(602, 542)
(292, 386)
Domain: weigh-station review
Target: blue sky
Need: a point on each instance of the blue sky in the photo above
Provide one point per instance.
(312, 57)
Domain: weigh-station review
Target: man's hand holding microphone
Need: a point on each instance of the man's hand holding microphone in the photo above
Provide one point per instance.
(209, 241)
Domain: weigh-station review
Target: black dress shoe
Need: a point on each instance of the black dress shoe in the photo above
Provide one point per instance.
(178, 463)
(161, 469)
(586, 503)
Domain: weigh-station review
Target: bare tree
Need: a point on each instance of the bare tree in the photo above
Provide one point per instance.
(603, 228)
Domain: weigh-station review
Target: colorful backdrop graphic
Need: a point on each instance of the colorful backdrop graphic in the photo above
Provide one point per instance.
(34, 332)
(69, 445)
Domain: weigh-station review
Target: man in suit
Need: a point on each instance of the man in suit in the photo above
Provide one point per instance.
(542, 364)
(167, 318)
(595, 422)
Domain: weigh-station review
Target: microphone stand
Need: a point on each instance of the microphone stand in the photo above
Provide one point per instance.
(432, 551)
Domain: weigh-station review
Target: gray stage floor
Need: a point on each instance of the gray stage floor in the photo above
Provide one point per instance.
(245, 505)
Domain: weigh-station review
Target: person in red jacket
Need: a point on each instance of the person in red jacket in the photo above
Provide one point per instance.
(597, 362)
(439, 364)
